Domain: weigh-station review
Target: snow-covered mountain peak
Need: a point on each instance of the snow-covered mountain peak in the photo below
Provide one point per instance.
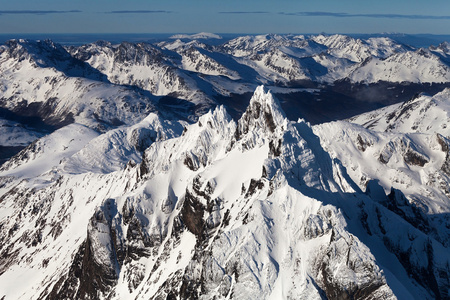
(48, 152)
(421, 114)
(30, 46)
(265, 97)
(200, 35)
(442, 96)
(217, 117)
(47, 54)
(264, 112)
(443, 48)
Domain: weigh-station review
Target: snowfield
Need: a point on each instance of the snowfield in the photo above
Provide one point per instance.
(258, 208)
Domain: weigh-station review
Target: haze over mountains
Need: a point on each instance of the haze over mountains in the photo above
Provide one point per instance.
(270, 166)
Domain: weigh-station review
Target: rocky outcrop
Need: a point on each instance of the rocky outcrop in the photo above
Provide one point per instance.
(95, 267)
(263, 113)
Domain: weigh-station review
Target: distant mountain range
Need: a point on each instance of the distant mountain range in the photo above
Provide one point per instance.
(200, 76)
(415, 40)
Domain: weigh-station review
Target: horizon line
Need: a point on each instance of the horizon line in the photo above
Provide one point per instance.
(233, 33)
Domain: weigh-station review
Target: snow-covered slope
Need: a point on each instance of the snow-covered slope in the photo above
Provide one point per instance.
(196, 36)
(113, 150)
(415, 164)
(38, 80)
(258, 208)
(47, 152)
(138, 64)
(359, 50)
(13, 134)
(102, 85)
(421, 114)
(198, 60)
(418, 66)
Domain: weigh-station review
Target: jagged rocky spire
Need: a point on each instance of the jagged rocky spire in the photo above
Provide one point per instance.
(264, 112)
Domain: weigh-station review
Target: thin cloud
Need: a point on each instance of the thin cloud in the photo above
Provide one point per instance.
(243, 12)
(379, 16)
(140, 12)
(37, 12)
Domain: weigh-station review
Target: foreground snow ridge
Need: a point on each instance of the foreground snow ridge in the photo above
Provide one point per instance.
(262, 208)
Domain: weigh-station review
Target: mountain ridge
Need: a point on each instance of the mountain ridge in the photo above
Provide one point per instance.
(261, 207)
(199, 75)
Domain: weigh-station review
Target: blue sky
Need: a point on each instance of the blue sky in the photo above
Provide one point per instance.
(229, 16)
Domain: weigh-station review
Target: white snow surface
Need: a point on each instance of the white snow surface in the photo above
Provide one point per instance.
(101, 85)
(89, 101)
(196, 36)
(15, 134)
(259, 208)
(113, 150)
(49, 151)
(422, 114)
(341, 140)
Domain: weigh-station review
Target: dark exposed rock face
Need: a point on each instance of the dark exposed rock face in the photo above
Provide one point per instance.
(413, 158)
(66, 287)
(138, 241)
(333, 290)
(141, 53)
(143, 168)
(255, 115)
(446, 165)
(191, 161)
(198, 209)
(398, 203)
(142, 138)
(275, 147)
(254, 185)
(433, 279)
(383, 159)
(95, 278)
(261, 114)
(95, 269)
(362, 144)
(444, 143)
(192, 215)
(407, 149)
